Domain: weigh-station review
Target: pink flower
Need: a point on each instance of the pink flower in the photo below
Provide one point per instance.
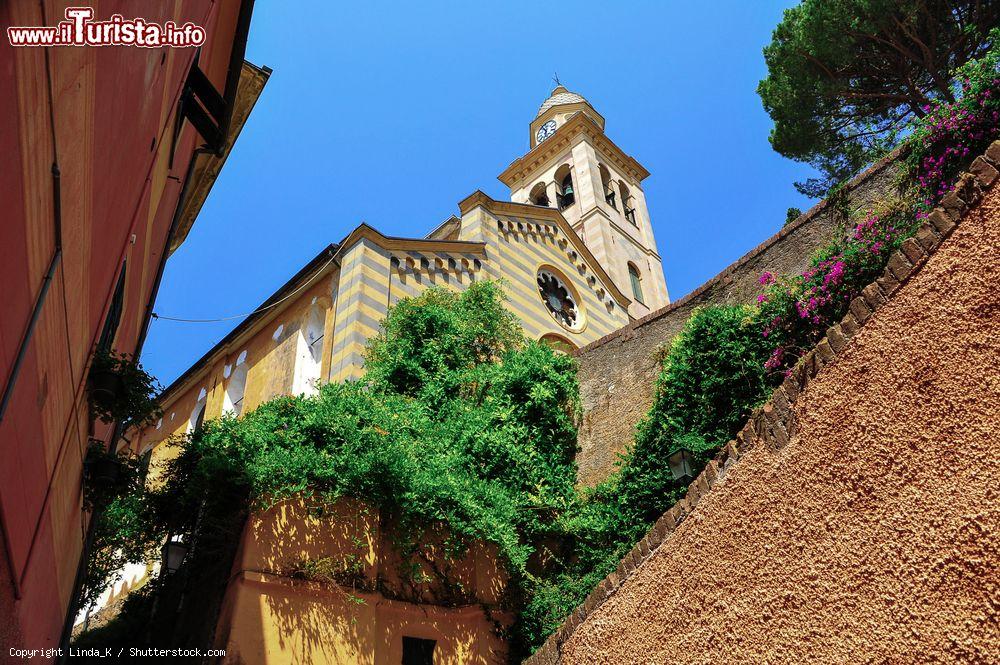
(766, 277)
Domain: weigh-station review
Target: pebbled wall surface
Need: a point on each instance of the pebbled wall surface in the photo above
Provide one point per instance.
(871, 537)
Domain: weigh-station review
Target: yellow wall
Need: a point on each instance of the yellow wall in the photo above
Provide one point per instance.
(271, 616)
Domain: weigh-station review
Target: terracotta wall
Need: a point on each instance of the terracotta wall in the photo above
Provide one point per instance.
(618, 373)
(104, 117)
(854, 518)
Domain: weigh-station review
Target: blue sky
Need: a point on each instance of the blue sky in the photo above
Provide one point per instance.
(391, 114)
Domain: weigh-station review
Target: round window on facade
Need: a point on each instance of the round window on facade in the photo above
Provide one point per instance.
(558, 299)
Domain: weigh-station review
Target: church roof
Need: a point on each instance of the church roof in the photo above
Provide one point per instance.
(559, 96)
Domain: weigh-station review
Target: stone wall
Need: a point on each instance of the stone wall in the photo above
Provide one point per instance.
(618, 372)
(851, 519)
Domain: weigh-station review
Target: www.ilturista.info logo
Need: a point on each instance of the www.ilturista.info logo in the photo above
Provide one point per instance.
(80, 30)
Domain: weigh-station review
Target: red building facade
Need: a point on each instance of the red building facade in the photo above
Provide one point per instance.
(108, 155)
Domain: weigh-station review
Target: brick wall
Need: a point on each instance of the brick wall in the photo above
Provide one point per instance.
(618, 372)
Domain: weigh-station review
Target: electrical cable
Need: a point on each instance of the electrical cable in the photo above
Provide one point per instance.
(243, 316)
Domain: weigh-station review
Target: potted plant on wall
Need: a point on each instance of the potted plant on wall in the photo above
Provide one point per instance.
(121, 390)
(108, 474)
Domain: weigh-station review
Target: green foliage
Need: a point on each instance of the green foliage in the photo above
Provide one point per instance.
(135, 402)
(459, 421)
(791, 215)
(845, 76)
(119, 514)
(712, 378)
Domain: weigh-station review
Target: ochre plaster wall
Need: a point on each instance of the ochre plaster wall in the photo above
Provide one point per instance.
(271, 616)
(871, 535)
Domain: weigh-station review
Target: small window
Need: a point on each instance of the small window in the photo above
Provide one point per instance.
(197, 419)
(627, 206)
(418, 651)
(107, 338)
(633, 274)
(237, 386)
(609, 191)
(307, 367)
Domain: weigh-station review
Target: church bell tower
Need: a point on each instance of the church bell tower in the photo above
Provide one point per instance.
(574, 167)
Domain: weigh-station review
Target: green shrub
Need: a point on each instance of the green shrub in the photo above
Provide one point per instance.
(459, 421)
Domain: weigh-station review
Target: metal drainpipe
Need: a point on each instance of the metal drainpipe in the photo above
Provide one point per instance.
(40, 299)
(22, 351)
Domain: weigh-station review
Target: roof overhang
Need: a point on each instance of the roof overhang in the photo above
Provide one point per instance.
(207, 166)
(365, 232)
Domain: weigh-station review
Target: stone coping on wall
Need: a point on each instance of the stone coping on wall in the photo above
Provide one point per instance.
(800, 221)
(774, 424)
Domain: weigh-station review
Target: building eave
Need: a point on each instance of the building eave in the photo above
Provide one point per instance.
(318, 266)
(365, 232)
(207, 169)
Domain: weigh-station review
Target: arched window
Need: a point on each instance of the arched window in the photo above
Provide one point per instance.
(627, 206)
(310, 352)
(197, 419)
(558, 343)
(609, 191)
(636, 279)
(539, 196)
(566, 195)
(237, 386)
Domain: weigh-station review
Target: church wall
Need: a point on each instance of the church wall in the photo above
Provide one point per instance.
(618, 373)
(523, 245)
(362, 301)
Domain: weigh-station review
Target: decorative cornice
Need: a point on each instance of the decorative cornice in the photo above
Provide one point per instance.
(579, 125)
(478, 198)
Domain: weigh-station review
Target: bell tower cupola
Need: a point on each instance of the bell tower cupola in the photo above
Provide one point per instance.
(556, 110)
(571, 165)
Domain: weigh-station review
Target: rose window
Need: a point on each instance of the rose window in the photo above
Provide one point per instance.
(558, 299)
